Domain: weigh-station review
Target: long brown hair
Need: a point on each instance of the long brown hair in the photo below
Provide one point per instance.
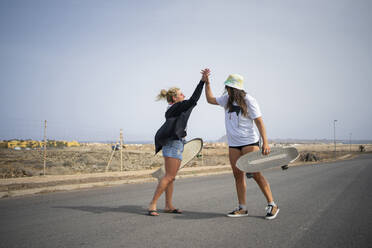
(237, 96)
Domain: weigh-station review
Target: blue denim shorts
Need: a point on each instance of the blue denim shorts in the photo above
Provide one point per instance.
(173, 149)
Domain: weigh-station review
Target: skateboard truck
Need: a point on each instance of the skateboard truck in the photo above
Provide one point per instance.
(249, 175)
(285, 167)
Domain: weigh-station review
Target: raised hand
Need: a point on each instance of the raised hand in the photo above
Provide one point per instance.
(205, 75)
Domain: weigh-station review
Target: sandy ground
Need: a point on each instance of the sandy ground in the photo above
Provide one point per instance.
(84, 167)
(93, 158)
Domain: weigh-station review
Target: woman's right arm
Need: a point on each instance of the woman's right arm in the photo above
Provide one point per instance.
(261, 128)
(208, 92)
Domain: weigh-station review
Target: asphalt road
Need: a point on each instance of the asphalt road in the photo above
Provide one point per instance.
(325, 205)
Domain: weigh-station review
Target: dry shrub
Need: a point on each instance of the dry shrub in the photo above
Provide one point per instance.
(309, 157)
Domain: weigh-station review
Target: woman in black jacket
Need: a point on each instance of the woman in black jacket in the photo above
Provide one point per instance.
(170, 138)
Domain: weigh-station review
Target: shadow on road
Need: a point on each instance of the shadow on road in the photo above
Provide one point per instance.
(133, 209)
(192, 215)
(140, 210)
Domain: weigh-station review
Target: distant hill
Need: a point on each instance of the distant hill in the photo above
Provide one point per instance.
(222, 139)
(307, 141)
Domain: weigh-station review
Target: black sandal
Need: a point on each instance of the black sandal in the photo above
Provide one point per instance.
(153, 213)
(173, 211)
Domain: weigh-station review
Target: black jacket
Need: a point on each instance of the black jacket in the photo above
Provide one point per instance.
(176, 119)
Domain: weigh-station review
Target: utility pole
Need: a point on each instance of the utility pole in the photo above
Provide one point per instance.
(350, 141)
(45, 128)
(334, 135)
(121, 149)
(120, 143)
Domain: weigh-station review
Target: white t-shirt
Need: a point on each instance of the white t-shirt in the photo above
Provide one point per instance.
(239, 129)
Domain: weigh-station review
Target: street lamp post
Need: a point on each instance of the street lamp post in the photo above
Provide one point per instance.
(334, 135)
(350, 141)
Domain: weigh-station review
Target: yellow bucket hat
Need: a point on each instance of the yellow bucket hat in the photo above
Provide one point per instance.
(235, 81)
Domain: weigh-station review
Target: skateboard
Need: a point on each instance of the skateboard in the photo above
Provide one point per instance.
(257, 162)
(190, 150)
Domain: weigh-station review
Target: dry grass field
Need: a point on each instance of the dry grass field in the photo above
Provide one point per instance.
(92, 158)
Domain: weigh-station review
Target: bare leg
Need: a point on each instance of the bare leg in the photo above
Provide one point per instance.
(168, 196)
(259, 178)
(240, 184)
(171, 167)
(264, 186)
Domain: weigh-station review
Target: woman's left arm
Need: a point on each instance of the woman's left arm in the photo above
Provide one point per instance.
(261, 128)
(197, 92)
(180, 107)
(186, 104)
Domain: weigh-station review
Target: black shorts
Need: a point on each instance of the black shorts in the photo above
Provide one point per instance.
(241, 147)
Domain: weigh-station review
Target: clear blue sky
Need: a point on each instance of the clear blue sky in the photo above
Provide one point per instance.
(93, 67)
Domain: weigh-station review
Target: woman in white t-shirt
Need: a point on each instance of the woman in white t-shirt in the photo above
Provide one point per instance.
(241, 110)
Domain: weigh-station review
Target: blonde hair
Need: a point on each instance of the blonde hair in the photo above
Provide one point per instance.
(168, 94)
